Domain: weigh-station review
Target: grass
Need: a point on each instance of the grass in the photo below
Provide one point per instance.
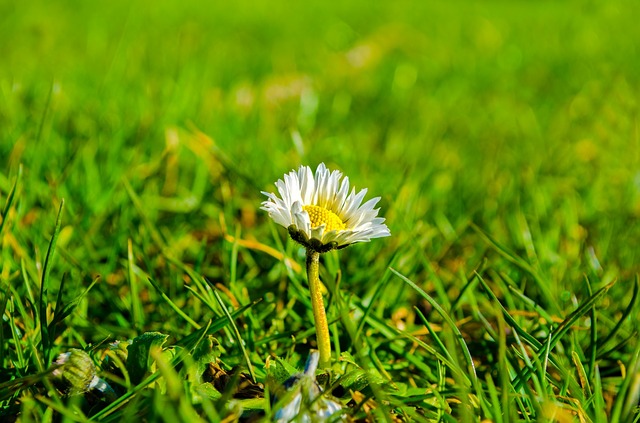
(135, 138)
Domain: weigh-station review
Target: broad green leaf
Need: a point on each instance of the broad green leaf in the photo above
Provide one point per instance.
(139, 360)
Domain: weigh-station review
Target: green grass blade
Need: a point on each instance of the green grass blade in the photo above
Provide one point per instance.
(599, 406)
(62, 311)
(543, 285)
(625, 402)
(3, 307)
(236, 332)
(509, 319)
(593, 336)
(380, 287)
(584, 308)
(7, 206)
(44, 289)
(465, 350)
(134, 284)
(173, 306)
(623, 318)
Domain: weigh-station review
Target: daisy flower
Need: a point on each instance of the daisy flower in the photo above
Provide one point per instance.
(320, 212)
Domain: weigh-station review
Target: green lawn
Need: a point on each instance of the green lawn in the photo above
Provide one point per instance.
(503, 138)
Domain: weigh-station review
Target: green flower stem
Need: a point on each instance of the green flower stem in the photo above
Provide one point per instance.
(319, 315)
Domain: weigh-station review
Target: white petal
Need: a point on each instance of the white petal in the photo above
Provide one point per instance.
(330, 190)
(351, 205)
(307, 184)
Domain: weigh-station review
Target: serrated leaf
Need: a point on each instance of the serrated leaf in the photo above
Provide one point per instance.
(207, 351)
(139, 359)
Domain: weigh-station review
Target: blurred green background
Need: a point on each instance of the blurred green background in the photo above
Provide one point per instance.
(519, 117)
(502, 137)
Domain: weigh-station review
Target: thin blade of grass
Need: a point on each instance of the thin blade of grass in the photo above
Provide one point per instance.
(623, 317)
(3, 307)
(68, 308)
(236, 332)
(532, 304)
(136, 306)
(622, 403)
(173, 306)
(559, 332)
(8, 389)
(509, 319)
(218, 324)
(155, 234)
(448, 360)
(599, 406)
(380, 286)
(582, 374)
(448, 319)
(206, 291)
(470, 284)
(7, 205)
(495, 402)
(524, 265)
(584, 308)
(593, 336)
(44, 288)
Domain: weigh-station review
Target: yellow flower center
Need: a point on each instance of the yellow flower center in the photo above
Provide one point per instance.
(319, 215)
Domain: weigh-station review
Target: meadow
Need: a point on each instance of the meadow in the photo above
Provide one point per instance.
(502, 137)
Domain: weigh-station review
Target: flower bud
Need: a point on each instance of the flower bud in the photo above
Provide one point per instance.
(75, 370)
(77, 374)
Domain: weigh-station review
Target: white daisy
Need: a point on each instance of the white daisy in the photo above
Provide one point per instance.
(319, 211)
